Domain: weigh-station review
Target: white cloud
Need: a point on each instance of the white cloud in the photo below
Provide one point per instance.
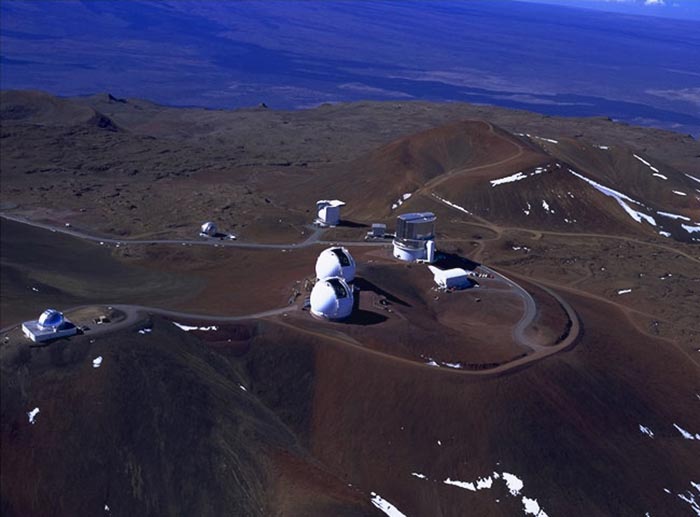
(654, 2)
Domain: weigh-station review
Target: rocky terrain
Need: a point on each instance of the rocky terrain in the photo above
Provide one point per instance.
(427, 401)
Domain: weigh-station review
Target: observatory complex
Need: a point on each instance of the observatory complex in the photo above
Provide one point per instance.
(415, 237)
(332, 296)
(328, 212)
(50, 325)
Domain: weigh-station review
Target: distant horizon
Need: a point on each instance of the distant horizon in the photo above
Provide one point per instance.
(525, 54)
(675, 9)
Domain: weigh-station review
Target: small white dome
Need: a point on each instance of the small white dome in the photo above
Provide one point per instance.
(335, 261)
(332, 299)
(208, 228)
(51, 318)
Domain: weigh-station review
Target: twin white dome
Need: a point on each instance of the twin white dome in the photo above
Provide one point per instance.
(332, 296)
(332, 299)
(335, 262)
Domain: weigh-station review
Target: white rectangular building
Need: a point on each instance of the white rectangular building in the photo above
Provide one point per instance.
(456, 278)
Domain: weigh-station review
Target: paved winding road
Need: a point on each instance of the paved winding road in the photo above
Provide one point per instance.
(133, 313)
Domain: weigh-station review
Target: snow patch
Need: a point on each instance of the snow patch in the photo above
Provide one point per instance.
(646, 163)
(665, 234)
(97, 361)
(433, 362)
(461, 484)
(689, 498)
(385, 506)
(624, 291)
(674, 216)
(620, 198)
(545, 205)
(603, 147)
(679, 193)
(32, 415)
(532, 507)
(147, 330)
(508, 179)
(660, 176)
(419, 475)
(449, 203)
(690, 229)
(518, 176)
(188, 328)
(686, 434)
(400, 201)
(514, 483)
(692, 177)
(646, 430)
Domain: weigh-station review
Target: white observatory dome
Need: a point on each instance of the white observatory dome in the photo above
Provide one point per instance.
(208, 228)
(332, 299)
(51, 319)
(335, 261)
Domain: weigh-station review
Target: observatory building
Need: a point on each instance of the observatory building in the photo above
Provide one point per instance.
(332, 299)
(335, 261)
(456, 278)
(50, 325)
(208, 229)
(415, 237)
(328, 212)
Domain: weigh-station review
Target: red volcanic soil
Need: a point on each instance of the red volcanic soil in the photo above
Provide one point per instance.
(163, 426)
(566, 426)
(371, 184)
(283, 414)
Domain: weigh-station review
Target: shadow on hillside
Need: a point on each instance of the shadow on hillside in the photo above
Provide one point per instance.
(365, 285)
(362, 317)
(452, 260)
(344, 223)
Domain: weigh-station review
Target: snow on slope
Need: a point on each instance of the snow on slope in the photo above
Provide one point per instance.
(513, 483)
(621, 199)
(385, 506)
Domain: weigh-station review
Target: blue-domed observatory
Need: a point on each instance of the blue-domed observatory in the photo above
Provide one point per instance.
(335, 261)
(51, 319)
(50, 325)
(332, 299)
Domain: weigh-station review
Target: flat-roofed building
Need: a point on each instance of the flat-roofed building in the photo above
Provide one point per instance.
(455, 278)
